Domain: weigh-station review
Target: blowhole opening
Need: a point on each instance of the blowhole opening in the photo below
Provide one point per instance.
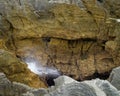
(50, 79)
(51, 73)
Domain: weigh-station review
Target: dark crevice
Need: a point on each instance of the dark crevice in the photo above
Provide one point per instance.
(46, 39)
(11, 41)
(103, 76)
(74, 43)
(112, 38)
(50, 79)
(101, 1)
(102, 44)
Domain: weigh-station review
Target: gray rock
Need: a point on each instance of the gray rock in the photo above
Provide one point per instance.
(104, 86)
(8, 88)
(95, 87)
(36, 4)
(39, 92)
(64, 86)
(115, 78)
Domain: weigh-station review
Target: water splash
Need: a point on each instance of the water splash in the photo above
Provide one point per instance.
(39, 69)
(32, 66)
(115, 19)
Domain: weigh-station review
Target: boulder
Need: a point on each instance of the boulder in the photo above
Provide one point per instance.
(94, 87)
(64, 86)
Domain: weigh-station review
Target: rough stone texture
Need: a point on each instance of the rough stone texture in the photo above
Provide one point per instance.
(95, 87)
(113, 7)
(71, 39)
(115, 78)
(8, 88)
(17, 70)
(64, 86)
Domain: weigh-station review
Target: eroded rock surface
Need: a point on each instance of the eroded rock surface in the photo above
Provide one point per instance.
(113, 7)
(64, 86)
(17, 71)
(8, 88)
(95, 87)
(62, 39)
(115, 77)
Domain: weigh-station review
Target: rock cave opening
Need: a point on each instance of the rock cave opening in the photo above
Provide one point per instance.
(50, 79)
(48, 74)
(52, 57)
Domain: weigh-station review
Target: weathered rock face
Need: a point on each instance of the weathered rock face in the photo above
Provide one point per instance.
(113, 7)
(115, 77)
(65, 39)
(8, 88)
(64, 86)
(95, 87)
(18, 71)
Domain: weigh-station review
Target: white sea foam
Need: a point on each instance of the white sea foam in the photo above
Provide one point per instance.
(37, 68)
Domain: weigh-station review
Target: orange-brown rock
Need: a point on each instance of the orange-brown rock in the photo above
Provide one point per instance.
(18, 71)
(113, 7)
(66, 37)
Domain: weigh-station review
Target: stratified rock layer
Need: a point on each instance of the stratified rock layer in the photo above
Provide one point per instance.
(74, 40)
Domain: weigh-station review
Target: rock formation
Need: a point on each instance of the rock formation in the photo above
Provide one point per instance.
(80, 41)
(115, 77)
(113, 7)
(8, 88)
(17, 71)
(64, 86)
(95, 87)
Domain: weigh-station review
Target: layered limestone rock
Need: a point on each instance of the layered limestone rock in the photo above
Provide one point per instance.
(18, 71)
(63, 39)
